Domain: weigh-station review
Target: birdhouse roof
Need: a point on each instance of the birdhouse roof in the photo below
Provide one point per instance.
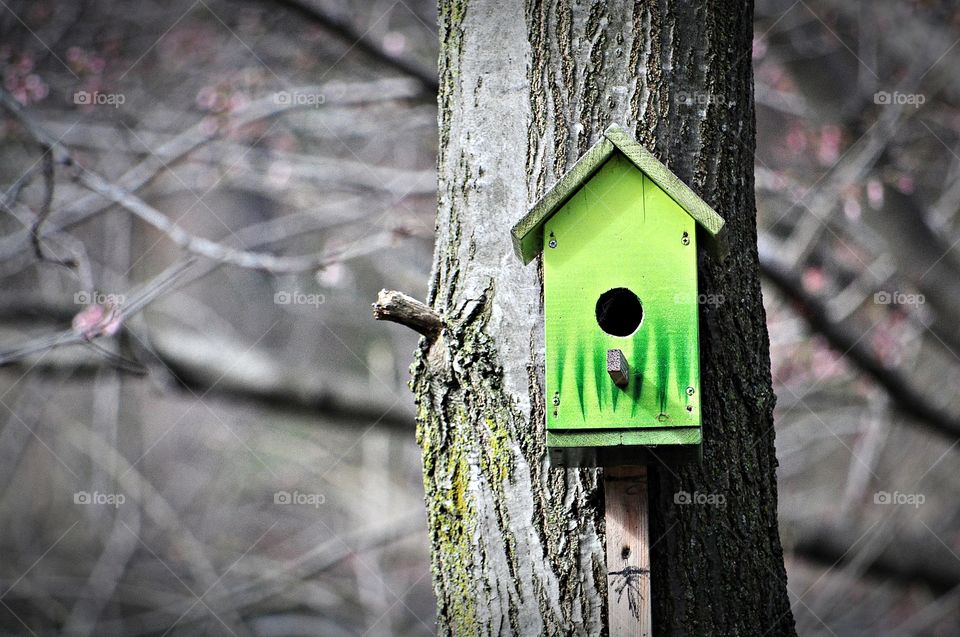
(528, 232)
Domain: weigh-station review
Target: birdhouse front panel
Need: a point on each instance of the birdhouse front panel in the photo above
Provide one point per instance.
(620, 288)
(618, 235)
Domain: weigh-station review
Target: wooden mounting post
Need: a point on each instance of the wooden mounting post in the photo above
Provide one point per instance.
(628, 551)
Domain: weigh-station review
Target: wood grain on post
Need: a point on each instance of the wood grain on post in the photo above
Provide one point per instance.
(628, 551)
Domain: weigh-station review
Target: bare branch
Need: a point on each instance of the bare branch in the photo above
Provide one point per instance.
(271, 583)
(842, 339)
(905, 557)
(337, 93)
(217, 251)
(110, 321)
(231, 368)
(48, 185)
(145, 212)
(359, 41)
(853, 167)
(155, 506)
(399, 308)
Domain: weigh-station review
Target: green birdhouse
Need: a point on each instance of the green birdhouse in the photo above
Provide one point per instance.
(619, 235)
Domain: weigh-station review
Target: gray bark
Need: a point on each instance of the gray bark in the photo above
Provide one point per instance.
(517, 547)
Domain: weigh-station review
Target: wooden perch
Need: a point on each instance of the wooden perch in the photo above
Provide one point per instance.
(618, 368)
(405, 310)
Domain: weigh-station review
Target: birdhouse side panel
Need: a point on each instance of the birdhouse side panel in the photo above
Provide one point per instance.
(620, 274)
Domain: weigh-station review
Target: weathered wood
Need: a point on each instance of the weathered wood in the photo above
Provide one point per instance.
(618, 367)
(399, 308)
(628, 552)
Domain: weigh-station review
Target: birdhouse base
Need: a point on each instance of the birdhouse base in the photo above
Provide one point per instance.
(612, 447)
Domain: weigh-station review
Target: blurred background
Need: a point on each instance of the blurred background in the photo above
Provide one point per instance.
(225, 445)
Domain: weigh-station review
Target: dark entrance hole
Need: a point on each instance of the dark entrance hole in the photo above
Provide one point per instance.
(619, 312)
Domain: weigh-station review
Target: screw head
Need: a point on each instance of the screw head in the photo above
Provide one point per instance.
(690, 391)
(553, 243)
(556, 399)
(685, 239)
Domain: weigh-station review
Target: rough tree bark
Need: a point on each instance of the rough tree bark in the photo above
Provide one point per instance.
(518, 548)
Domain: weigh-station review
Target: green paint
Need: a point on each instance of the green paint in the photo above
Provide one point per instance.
(646, 437)
(528, 233)
(620, 219)
(622, 230)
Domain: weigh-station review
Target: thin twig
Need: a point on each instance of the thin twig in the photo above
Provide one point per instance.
(49, 174)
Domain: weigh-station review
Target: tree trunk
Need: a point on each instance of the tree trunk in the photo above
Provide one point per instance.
(517, 547)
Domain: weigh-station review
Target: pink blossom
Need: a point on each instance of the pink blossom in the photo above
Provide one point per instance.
(813, 280)
(97, 320)
(828, 152)
(759, 48)
(875, 193)
(851, 208)
(796, 140)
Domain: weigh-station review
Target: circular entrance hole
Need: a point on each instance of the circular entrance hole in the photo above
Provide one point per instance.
(619, 312)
